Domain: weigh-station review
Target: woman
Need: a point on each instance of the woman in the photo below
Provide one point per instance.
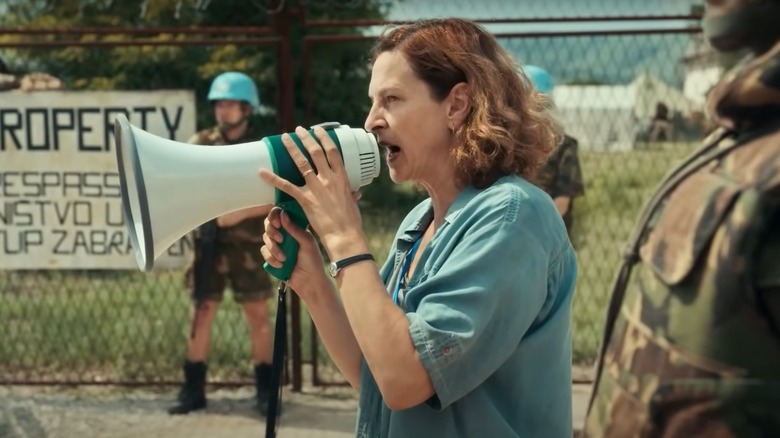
(465, 331)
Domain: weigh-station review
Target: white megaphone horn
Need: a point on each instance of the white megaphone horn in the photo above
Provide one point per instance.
(170, 188)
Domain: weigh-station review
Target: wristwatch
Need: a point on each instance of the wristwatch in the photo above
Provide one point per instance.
(337, 266)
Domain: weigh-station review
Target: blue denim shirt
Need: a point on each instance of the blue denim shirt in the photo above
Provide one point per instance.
(489, 310)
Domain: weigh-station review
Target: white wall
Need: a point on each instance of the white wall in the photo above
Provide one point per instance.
(699, 80)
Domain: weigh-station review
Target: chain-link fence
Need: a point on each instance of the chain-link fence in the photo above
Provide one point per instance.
(631, 79)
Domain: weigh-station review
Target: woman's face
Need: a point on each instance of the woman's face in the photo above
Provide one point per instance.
(411, 125)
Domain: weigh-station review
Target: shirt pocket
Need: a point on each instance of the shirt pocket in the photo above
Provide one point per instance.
(687, 224)
(412, 294)
(728, 407)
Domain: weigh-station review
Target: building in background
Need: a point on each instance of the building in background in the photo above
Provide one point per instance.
(703, 69)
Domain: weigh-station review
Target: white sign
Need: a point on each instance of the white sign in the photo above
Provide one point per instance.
(60, 203)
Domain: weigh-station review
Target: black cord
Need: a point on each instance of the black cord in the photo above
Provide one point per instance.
(277, 365)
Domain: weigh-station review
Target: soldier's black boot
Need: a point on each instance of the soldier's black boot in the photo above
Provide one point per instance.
(263, 387)
(192, 395)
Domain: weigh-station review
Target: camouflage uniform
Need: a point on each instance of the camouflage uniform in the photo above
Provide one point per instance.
(238, 250)
(561, 175)
(692, 340)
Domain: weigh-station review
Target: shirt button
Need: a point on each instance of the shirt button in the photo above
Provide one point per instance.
(447, 351)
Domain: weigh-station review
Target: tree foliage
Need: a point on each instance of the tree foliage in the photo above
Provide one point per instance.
(337, 75)
(146, 67)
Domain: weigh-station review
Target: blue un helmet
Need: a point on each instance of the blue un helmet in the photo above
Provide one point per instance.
(234, 85)
(540, 78)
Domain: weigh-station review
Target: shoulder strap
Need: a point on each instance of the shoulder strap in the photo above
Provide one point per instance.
(704, 155)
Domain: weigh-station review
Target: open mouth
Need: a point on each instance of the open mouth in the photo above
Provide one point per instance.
(392, 150)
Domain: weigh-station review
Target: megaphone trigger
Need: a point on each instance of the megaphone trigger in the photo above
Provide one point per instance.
(289, 245)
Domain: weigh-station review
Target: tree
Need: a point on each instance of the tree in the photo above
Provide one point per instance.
(339, 71)
(157, 67)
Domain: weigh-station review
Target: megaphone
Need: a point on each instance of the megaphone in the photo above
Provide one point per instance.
(169, 188)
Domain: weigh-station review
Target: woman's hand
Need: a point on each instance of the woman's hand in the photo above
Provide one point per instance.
(309, 271)
(326, 197)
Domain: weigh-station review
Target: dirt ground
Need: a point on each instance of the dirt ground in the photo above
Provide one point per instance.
(42, 412)
(99, 412)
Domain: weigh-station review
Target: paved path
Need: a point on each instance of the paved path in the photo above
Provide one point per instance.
(103, 413)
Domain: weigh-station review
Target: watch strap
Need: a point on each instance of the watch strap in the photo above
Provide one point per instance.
(343, 263)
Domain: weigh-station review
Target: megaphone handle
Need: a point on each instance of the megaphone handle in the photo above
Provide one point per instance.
(289, 245)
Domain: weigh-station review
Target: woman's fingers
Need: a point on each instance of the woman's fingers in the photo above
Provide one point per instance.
(294, 230)
(330, 150)
(272, 237)
(302, 163)
(274, 250)
(272, 223)
(281, 183)
(269, 258)
(314, 149)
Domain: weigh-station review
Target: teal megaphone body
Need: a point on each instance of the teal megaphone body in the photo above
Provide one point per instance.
(169, 188)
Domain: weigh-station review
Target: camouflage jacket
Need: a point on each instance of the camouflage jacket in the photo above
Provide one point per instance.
(561, 175)
(692, 342)
(249, 230)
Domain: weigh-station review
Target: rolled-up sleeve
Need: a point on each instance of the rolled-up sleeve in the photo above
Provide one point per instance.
(471, 312)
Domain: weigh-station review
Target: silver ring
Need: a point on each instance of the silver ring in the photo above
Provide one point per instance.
(307, 172)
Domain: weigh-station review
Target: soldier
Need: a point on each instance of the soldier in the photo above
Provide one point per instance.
(692, 340)
(561, 176)
(228, 249)
(661, 128)
(35, 81)
(7, 80)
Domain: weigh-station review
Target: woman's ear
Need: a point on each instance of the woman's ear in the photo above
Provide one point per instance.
(459, 104)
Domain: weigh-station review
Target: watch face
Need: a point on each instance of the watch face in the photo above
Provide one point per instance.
(333, 269)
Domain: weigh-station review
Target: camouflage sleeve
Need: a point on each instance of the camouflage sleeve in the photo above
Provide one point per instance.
(767, 276)
(206, 137)
(569, 176)
(197, 138)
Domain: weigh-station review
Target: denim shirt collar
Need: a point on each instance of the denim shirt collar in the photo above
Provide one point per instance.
(409, 235)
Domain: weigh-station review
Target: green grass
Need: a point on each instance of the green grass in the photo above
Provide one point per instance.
(616, 187)
(107, 326)
(67, 326)
(96, 326)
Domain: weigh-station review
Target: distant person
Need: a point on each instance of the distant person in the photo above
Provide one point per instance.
(35, 81)
(661, 128)
(561, 175)
(227, 252)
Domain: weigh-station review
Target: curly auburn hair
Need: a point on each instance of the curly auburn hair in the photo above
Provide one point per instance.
(509, 129)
